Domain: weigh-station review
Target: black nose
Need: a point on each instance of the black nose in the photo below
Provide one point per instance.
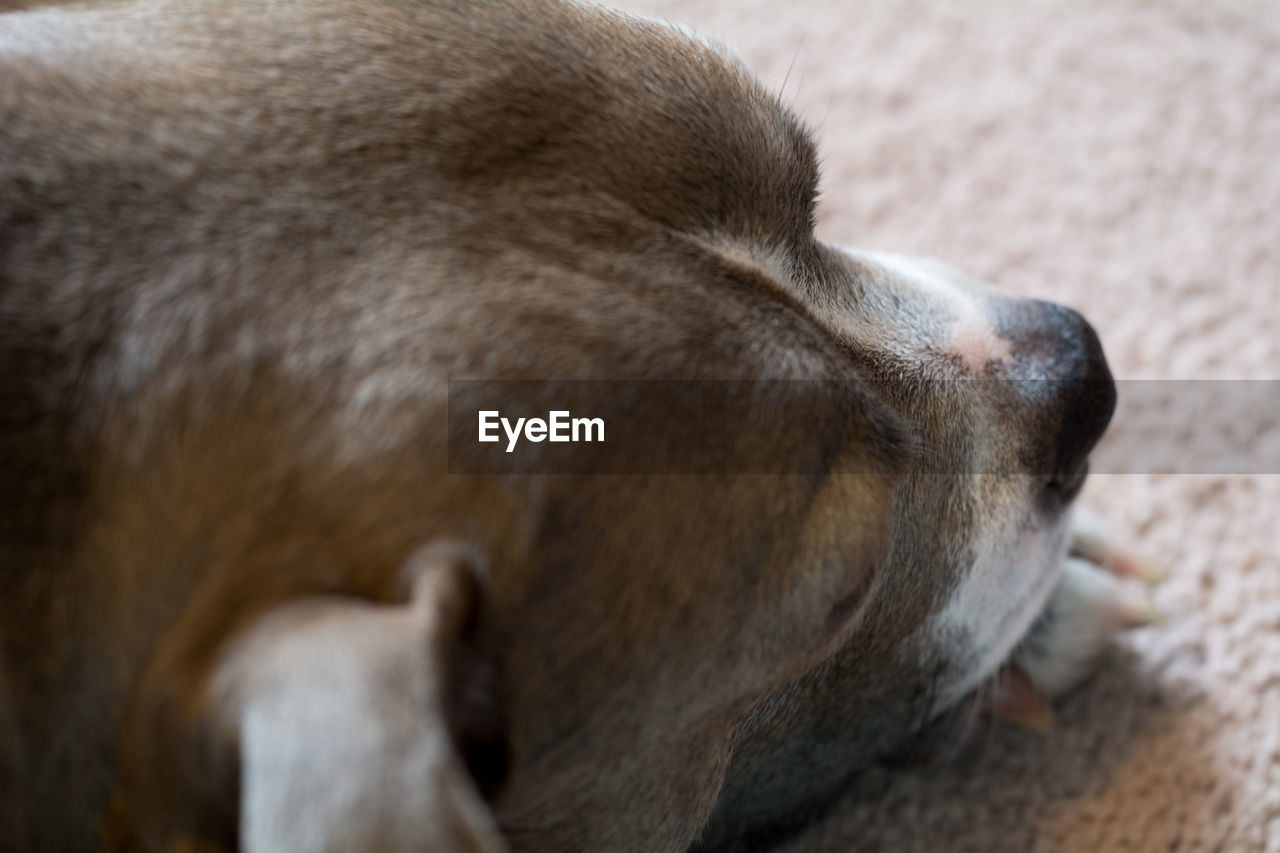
(1064, 387)
(1081, 393)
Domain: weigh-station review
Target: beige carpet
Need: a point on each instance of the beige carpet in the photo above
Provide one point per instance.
(1123, 158)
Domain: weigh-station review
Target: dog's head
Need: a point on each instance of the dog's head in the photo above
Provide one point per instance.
(341, 206)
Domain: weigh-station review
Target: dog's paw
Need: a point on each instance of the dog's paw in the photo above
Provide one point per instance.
(1088, 607)
(1096, 598)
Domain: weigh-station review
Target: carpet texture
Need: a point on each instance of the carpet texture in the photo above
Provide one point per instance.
(1123, 158)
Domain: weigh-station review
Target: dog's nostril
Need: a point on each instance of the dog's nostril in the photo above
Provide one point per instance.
(1063, 487)
(1085, 397)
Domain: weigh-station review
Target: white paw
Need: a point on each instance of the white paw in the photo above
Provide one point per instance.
(1087, 609)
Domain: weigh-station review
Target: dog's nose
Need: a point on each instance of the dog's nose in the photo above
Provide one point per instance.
(1079, 391)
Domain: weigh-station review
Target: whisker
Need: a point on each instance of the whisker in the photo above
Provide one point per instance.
(799, 54)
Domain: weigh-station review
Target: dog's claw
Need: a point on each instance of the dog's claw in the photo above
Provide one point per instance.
(1016, 700)
(1138, 612)
(1093, 541)
(1131, 565)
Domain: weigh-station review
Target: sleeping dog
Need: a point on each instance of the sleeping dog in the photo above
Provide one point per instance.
(258, 592)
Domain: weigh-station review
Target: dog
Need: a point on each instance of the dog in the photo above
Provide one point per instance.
(260, 591)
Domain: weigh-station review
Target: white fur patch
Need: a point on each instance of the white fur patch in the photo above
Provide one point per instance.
(969, 335)
(995, 605)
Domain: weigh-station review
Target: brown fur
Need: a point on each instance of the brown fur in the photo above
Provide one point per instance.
(254, 590)
(242, 247)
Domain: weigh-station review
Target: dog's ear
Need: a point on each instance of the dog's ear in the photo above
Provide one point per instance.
(345, 714)
(344, 729)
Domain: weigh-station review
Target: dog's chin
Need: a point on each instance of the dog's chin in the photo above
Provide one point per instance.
(978, 631)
